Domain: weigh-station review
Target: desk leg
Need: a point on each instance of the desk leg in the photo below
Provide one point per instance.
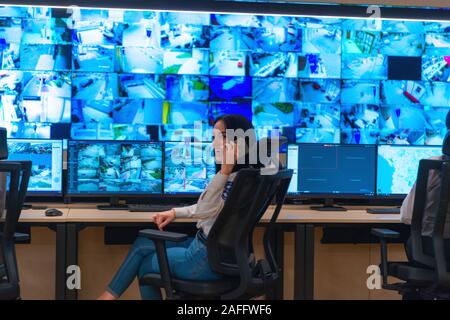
(278, 251)
(309, 261)
(60, 279)
(279, 256)
(71, 256)
(304, 262)
(299, 262)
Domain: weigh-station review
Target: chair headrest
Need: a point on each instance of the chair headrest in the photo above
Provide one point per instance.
(446, 145)
(3, 144)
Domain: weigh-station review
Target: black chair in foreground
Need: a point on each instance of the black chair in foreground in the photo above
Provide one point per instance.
(230, 243)
(426, 275)
(19, 176)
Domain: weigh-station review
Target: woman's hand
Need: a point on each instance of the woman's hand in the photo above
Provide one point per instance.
(162, 219)
(229, 158)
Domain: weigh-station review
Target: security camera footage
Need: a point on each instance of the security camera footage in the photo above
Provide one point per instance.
(188, 167)
(131, 75)
(46, 157)
(114, 167)
(142, 75)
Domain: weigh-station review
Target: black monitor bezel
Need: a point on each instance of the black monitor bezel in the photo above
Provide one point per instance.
(34, 194)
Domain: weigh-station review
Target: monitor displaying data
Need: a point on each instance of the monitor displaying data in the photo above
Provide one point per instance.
(114, 167)
(188, 168)
(46, 157)
(397, 167)
(332, 170)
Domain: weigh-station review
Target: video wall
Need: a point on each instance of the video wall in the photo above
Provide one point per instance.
(89, 74)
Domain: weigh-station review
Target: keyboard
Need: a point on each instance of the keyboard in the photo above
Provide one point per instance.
(393, 210)
(149, 207)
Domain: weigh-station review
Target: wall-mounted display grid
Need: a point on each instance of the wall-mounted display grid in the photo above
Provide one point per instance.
(94, 74)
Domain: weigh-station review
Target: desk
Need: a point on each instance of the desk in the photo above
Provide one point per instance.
(299, 219)
(58, 224)
(304, 222)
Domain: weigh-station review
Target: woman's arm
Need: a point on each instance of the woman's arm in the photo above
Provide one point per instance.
(185, 212)
(210, 201)
(407, 206)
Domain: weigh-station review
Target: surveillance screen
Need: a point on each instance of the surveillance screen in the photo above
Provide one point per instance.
(115, 74)
(189, 166)
(46, 157)
(114, 167)
(131, 76)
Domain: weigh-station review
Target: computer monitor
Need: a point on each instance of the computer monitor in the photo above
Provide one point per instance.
(397, 168)
(46, 157)
(188, 168)
(331, 171)
(114, 168)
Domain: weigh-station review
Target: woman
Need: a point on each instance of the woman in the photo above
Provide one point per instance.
(188, 260)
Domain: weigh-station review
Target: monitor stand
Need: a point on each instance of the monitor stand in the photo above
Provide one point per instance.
(115, 204)
(328, 206)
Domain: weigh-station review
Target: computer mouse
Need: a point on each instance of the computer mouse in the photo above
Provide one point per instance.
(53, 213)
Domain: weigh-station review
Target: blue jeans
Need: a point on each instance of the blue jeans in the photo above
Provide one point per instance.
(187, 260)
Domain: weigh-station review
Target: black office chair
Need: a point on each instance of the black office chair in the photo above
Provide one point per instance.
(425, 276)
(19, 176)
(229, 244)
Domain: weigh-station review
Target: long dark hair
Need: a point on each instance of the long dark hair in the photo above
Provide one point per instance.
(236, 122)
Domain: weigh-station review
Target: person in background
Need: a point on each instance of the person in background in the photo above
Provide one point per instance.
(431, 207)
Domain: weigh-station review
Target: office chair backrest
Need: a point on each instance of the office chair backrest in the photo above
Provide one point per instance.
(442, 223)
(3, 144)
(419, 209)
(20, 172)
(446, 144)
(229, 242)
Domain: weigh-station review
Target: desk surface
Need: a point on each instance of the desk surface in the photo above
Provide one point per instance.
(355, 214)
(289, 214)
(39, 216)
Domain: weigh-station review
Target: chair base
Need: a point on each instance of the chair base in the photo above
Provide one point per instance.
(407, 272)
(201, 289)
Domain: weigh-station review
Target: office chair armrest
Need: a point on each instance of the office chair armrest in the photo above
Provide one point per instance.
(160, 238)
(163, 235)
(18, 236)
(21, 236)
(385, 233)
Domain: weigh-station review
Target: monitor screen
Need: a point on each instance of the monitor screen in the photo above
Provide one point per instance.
(47, 159)
(398, 167)
(110, 74)
(189, 166)
(332, 169)
(113, 167)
